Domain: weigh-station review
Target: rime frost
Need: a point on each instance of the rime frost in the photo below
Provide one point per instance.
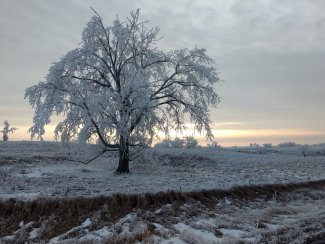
(6, 130)
(120, 89)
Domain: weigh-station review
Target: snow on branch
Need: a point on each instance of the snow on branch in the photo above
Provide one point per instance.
(118, 85)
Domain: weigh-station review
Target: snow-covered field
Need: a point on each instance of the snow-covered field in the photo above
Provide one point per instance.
(30, 170)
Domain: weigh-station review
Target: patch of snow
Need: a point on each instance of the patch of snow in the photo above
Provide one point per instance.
(227, 201)
(21, 224)
(272, 227)
(8, 238)
(33, 174)
(189, 234)
(125, 223)
(97, 235)
(55, 240)
(172, 240)
(34, 233)
(159, 227)
(163, 208)
(86, 223)
(181, 226)
(233, 233)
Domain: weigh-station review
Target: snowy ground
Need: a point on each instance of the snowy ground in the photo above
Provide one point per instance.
(298, 217)
(30, 169)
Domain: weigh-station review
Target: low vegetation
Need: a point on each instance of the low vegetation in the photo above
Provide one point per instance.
(67, 219)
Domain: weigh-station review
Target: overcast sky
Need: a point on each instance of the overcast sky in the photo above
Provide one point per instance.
(270, 54)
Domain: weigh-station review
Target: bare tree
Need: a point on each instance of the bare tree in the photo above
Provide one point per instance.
(6, 130)
(119, 88)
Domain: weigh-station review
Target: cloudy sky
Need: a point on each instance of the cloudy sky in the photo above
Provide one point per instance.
(270, 55)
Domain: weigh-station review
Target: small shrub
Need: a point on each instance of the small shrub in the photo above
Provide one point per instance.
(254, 145)
(268, 145)
(6, 130)
(215, 145)
(304, 149)
(288, 144)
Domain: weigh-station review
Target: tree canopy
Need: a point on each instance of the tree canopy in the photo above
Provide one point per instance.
(117, 87)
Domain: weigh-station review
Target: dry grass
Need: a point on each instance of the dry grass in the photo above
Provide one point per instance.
(57, 216)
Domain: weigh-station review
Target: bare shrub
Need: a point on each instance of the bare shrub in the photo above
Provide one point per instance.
(288, 144)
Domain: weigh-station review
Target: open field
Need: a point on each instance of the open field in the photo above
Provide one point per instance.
(29, 170)
(48, 197)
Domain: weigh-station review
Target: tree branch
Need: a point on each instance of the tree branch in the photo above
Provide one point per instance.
(92, 159)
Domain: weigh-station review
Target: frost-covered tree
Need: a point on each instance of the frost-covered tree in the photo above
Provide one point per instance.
(118, 87)
(190, 142)
(6, 130)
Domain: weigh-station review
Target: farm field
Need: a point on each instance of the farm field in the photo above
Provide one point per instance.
(30, 170)
(240, 210)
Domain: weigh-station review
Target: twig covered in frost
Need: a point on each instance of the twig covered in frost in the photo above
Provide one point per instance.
(118, 88)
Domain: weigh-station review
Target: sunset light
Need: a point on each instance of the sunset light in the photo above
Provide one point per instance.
(226, 137)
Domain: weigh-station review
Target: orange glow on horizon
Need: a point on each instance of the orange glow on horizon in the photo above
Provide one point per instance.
(226, 137)
(256, 133)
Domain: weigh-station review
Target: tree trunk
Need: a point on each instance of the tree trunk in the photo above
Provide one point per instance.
(123, 165)
(5, 137)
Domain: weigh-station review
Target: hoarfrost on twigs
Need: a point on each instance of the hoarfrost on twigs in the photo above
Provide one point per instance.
(118, 88)
(6, 130)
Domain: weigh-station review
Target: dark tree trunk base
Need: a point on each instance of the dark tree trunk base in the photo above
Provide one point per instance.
(121, 172)
(123, 164)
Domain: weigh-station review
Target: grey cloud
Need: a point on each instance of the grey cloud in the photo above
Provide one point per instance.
(270, 53)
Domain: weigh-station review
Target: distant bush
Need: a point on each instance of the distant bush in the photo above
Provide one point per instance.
(214, 144)
(288, 144)
(190, 142)
(304, 149)
(164, 144)
(254, 145)
(185, 142)
(267, 145)
(177, 143)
